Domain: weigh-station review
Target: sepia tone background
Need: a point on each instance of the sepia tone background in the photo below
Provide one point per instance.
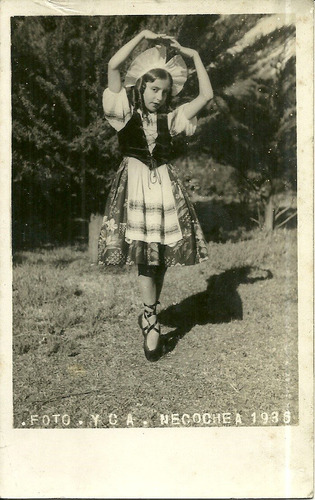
(231, 322)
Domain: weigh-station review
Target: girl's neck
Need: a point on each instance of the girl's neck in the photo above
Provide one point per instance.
(146, 112)
(148, 117)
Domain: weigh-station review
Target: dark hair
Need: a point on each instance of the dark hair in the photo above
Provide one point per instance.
(136, 97)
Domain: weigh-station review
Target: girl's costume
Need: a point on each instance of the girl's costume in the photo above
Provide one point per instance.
(149, 218)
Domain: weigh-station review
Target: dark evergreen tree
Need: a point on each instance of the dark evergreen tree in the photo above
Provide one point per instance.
(65, 154)
(251, 123)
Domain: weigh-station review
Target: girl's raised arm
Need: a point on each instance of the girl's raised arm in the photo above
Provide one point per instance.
(205, 87)
(114, 78)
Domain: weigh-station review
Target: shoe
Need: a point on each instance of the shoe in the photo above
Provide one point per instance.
(150, 354)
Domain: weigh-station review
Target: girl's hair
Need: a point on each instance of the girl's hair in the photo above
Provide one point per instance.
(136, 97)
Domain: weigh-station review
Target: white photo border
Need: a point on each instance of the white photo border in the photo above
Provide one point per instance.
(272, 462)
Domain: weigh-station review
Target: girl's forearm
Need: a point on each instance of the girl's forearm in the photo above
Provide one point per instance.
(119, 58)
(205, 87)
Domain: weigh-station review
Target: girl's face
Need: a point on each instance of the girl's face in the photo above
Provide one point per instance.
(155, 94)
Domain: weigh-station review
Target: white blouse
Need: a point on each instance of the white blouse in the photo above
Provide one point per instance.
(118, 112)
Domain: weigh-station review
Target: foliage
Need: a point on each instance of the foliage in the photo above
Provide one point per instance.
(65, 154)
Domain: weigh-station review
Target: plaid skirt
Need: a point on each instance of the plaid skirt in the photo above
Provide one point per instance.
(116, 248)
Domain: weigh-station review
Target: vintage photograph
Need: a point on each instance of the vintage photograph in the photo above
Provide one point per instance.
(157, 269)
(154, 221)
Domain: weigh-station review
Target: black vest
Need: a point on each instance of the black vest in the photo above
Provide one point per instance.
(132, 141)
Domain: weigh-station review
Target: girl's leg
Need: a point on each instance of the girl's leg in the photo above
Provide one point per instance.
(159, 281)
(148, 289)
(151, 282)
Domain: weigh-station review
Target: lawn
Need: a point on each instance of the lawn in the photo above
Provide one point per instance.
(231, 353)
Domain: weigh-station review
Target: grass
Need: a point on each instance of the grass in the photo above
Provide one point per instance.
(231, 339)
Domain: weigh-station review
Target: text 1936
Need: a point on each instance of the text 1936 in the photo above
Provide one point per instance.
(274, 417)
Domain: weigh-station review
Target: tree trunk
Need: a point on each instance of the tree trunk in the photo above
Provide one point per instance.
(83, 201)
(94, 232)
(269, 215)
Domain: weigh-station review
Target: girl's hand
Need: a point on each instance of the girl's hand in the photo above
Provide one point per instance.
(150, 35)
(185, 51)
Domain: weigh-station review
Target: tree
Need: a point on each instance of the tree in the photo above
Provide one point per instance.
(251, 123)
(64, 152)
(62, 146)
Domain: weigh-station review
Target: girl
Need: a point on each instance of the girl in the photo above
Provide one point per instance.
(149, 220)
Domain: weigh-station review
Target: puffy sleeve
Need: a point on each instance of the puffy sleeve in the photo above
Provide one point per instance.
(116, 108)
(177, 122)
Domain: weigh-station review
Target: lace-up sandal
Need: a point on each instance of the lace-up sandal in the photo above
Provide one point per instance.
(147, 327)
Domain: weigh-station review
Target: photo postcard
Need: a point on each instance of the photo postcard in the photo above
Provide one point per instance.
(157, 249)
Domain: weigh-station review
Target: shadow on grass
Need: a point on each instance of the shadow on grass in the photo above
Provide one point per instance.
(219, 303)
